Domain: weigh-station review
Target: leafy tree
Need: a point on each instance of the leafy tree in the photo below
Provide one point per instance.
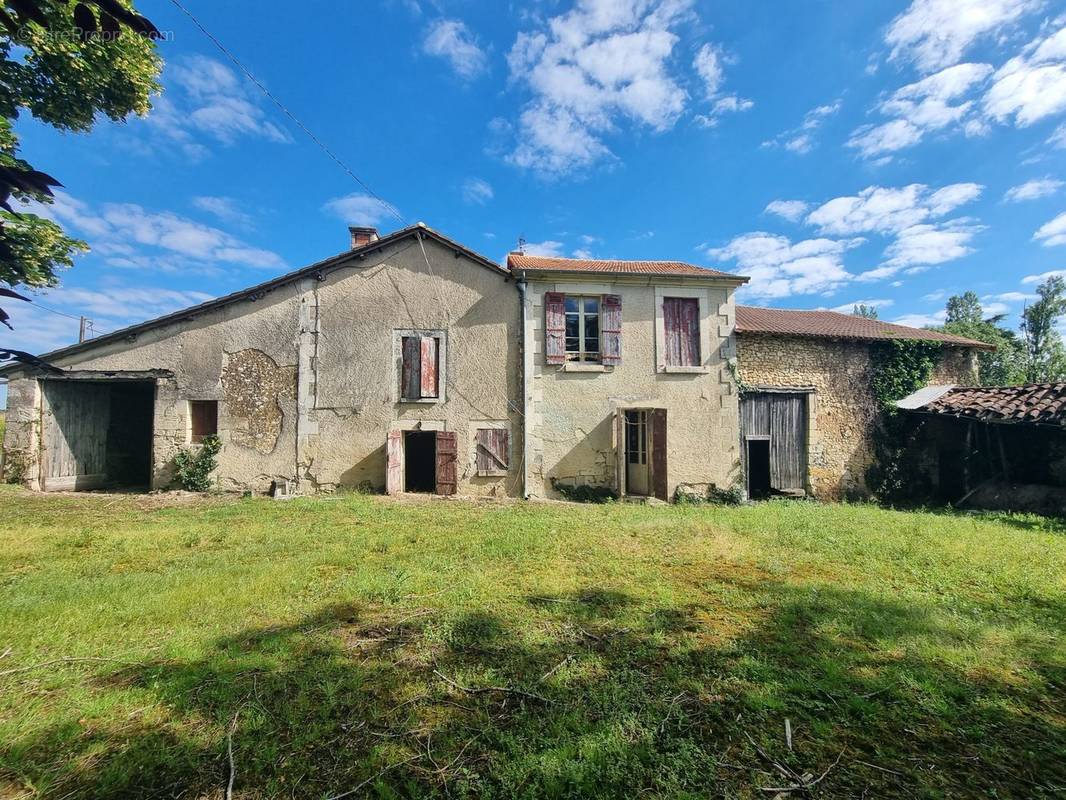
(66, 64)
(1003, 367)
(1046, 357)
(863, 310)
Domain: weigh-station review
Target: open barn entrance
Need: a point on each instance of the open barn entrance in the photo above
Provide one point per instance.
(420, 461)
(96, 434)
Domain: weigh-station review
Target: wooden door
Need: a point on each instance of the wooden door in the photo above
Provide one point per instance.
(447, 457)
(657, 425)
(636, 452)
(74, 421)
(781, 418)
(394, 462)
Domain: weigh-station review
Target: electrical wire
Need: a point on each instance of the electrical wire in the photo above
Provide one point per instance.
(325, 149)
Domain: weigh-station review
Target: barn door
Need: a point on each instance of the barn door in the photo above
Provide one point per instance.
(394, 462)
(447, 456)
(75, 419)
(788, 442)
(657, 423)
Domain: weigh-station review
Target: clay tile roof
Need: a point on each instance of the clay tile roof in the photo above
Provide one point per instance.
(834, 325)
(517, 261)
(1036, 403)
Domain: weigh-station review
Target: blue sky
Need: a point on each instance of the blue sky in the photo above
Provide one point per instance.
(837, 152)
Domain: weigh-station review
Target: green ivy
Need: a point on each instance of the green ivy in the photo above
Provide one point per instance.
(902, 366)
(193, 466)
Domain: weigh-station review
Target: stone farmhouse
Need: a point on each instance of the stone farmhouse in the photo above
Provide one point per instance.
(410, 363)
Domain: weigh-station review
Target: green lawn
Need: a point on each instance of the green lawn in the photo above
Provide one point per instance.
(408, 649)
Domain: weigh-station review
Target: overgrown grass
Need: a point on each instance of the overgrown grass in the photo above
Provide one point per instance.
(353, 643)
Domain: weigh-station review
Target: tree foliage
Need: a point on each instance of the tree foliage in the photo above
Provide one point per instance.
(67, 64)
(1005, 366)
(1045, 355)
(865, 311)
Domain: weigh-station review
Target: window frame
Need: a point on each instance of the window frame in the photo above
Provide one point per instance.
(198, 438)
(398, 335)
(582, 355)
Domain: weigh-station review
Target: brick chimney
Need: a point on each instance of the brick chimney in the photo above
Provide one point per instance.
(362, 236)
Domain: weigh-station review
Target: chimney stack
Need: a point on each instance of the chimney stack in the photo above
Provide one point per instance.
(362, 236)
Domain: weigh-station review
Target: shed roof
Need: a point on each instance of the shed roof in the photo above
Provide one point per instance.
(834, 325)
(1034, 403)
(518, 262)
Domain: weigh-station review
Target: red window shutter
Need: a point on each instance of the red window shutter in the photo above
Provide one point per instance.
(690, 332)
(394, 462)
(493, 445)
(447, 455)
(554, 328)
(611, 329)
(411, 374)
(672, 331)
(428, 367)
(657, 421)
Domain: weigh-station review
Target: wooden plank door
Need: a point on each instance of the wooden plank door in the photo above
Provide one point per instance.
(75, 419)
(447, 456)
(657, 424)
(788, 441)
(394, 462)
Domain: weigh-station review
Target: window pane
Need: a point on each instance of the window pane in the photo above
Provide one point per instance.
(592, 326)
(571, 303)
(592, 345)
(572, 345)
(592, 305)
(571, 325)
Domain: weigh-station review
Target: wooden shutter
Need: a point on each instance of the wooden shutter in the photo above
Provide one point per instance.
(394, 462)
(681, 330)
(657, 419)
(447, 455)
(428, 367)
(671, 332)
(411, 372)
(554, 328)
(204, 419)
(611, 329)
(493, 447)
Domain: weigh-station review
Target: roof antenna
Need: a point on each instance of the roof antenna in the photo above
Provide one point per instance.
(521, 247)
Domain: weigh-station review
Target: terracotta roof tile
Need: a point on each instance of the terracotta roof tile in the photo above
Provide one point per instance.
(517, 261)
(834, 325)
(1037, 403)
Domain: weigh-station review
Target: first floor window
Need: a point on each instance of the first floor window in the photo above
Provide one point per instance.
(420, 371)
(681, 327)
(582, 328)
(203, 415)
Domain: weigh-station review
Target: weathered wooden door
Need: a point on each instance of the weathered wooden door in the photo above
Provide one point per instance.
(75, 419)
(447, 456)
(394, 462)
(637, 461)
(781, 416)
(657, 423)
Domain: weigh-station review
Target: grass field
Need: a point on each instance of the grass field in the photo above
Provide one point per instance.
(406, 649)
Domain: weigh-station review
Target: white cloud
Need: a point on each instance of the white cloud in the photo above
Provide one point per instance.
(1011, 297)
(925, 245)
(847, 308)
(546, 249)
(934, 34)
(453, 41)
(932, 297)
(1032, 85)
(792, 210)
(593, 70)
(922, 320)
(582, 252)
(1043, 276)
(887, 210)
(1058, 137)
(1033, 190)
(477, 191)
(204, 98)
(359, 209)
(1053, 233)
(800, 139)
(779, 268)
(117, 228)
(225, 208)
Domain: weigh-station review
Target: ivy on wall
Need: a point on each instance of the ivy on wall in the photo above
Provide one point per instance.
(900, 367)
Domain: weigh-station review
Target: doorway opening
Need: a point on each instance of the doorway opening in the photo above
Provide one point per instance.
(759, 468)
(636, 455)
(97, 434)
(420, 461)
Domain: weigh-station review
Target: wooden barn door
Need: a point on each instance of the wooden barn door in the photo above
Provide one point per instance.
(781, 419)
(447, 456)
(74, 421)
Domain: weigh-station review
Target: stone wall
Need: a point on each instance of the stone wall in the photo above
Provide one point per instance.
(842, 408)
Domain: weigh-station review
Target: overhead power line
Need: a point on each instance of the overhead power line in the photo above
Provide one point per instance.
(325, 149)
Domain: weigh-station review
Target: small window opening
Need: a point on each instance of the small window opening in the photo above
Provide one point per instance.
(204, 415)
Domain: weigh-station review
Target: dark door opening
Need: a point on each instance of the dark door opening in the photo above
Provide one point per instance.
(759, 468)
(420, 461)
(97, 434)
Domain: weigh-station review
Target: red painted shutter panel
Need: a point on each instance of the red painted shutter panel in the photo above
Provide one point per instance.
(611, 329)
(411, 379)
(671, 331)
(690, 332)
(428, 367)
(493, 446)
(447, 455)
(554, 328)
(658, 452)
(393, 462)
